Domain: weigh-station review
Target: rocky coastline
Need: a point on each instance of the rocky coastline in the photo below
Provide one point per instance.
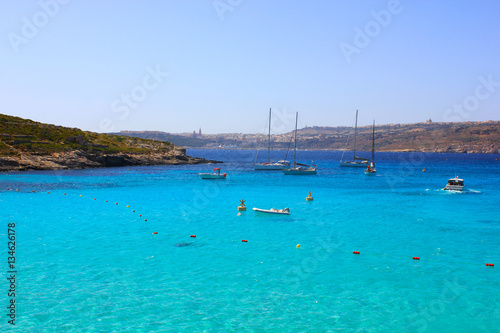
(80, 159)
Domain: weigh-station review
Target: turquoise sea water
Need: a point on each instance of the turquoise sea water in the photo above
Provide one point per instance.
(86, 265)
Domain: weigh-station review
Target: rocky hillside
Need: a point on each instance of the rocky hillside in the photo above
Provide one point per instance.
(466, 137)
(30, 145)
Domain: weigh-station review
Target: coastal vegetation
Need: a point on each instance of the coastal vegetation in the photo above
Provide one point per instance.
(26, 144)
(18, 135)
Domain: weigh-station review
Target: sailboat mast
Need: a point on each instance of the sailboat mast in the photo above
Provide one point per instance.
(355, 132)
(373, 142)
(269, 139)
(295, 139)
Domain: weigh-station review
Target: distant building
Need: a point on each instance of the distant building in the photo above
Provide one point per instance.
(429, 121)
(199, 132)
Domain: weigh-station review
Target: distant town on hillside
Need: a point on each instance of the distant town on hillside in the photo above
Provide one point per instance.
(458, 137)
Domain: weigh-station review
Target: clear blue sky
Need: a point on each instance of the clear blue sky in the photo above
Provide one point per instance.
(88, 64)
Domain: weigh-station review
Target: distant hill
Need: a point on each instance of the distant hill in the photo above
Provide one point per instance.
(465, 137)
(26, 144)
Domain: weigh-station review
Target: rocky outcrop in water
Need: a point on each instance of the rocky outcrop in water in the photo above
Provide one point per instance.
(78, 159)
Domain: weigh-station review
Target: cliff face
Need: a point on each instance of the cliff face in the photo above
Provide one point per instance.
(29, 145)
(78, 159)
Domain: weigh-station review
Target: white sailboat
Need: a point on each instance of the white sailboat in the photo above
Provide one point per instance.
(370, 169)
(298, 169)
(277, 165)
(356, 161)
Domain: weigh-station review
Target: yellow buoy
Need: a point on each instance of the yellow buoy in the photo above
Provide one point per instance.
(423, 170)
(242, 207)
(310, 197)
(81, 195)
(298, 245)
(127, 206)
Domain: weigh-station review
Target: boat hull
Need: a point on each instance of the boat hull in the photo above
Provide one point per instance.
(299, 171)
(270, 166)
(354, 164)
(453, 188)
(211, 176)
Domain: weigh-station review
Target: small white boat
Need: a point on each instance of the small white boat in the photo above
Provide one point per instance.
(285, 211)
(370, 169)
(454, 184)
(213, 175)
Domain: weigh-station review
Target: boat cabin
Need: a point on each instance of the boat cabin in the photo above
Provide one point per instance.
(456, 182)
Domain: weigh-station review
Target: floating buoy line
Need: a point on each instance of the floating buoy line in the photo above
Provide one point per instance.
(194, 236)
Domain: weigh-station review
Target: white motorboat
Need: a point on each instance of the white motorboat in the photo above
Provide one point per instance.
(454, 184)
(370, 169)
(213, 175)
(285, 211)
(359, 162)
(278, 165)
(298, 168)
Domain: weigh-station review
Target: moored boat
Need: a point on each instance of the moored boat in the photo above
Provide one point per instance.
(298, 168)
(285, 211)
(277, 165)
(454, 184)
(359, 162)
(213, 175)
(370, 169)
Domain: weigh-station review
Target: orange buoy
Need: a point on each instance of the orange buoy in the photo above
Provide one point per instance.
(94, 198)
(416, 258)
(133, 211)
(116, 203)
(64, 193)
(155, 233)
(145, 219)
(491, 265)
(140, 215)
(244, 241)
(355, 252)
(193, 236)
(106, 200)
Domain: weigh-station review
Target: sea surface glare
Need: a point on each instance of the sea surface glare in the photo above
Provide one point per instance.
(110, 250)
